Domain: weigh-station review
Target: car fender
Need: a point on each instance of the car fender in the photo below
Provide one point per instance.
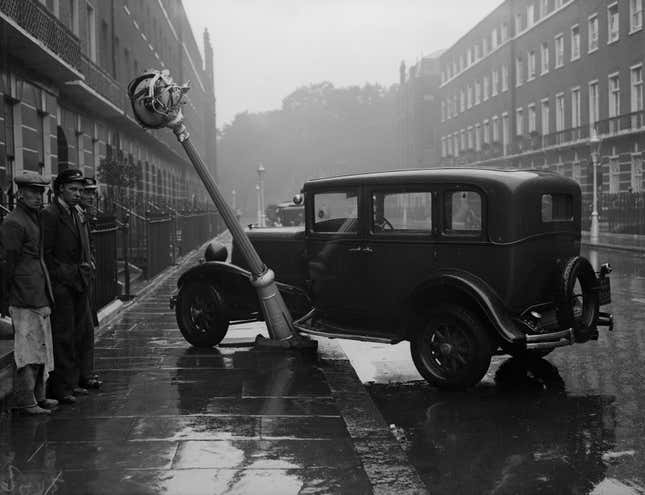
(477, 292)
(234, 283)
(240, 298)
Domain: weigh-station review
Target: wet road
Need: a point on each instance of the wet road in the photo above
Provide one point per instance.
(572, 423)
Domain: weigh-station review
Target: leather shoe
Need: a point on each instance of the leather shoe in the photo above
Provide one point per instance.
(48, 403)
(80, 391)
(92, 383)
(67, 399)
(33, 410)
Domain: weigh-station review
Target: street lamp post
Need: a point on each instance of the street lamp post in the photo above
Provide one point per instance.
(156, 103)
(257, 192)
(262, 217)
(594, 141)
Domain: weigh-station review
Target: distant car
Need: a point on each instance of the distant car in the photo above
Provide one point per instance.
(287, 214)
(462, 263)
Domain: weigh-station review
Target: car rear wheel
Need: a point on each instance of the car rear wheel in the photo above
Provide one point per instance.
(200, 314)
(452, 349)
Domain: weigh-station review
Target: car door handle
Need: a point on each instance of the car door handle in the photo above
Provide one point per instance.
(357, 250)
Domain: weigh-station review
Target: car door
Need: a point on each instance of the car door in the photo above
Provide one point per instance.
(400, 246)
(335, 262)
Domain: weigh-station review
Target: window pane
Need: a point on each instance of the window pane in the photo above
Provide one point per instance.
(557, 208)
(462, 212)
(402, 211)
(336, 212)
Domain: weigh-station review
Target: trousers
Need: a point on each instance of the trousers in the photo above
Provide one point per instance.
(69, 334)
(29, 385)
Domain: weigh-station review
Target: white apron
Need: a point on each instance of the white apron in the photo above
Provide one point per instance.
(32, 337)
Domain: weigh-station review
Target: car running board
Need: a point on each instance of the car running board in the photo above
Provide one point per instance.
(325, 329)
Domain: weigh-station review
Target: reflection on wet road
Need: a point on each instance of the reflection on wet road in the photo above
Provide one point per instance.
(571, 423)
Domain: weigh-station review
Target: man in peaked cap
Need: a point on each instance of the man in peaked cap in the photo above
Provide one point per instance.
(87, 209)
(68, 259)
(29, 295)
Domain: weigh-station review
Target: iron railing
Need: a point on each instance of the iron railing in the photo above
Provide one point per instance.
(624, 212)
(629, 122)
(34, 18)
(104, 237)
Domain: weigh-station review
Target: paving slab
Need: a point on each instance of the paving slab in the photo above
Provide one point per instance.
(174, 419)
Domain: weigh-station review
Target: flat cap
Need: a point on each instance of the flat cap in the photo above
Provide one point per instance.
(90, 183)
(30, 179)
(69, 175)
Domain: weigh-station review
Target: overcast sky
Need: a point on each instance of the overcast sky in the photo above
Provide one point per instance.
(264, 49)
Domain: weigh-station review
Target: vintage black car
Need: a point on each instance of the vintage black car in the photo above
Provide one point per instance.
(463, 263)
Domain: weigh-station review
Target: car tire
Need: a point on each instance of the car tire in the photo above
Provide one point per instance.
(200, 314)
(453, 349)
(578, 274)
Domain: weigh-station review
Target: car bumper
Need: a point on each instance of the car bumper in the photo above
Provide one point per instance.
(566, 337)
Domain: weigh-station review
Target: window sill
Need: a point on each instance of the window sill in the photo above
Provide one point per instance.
(573, 59)
(635, 30)
(592, 50)
(611, 42)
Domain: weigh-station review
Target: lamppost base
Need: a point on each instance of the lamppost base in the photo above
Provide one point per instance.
(297, 342)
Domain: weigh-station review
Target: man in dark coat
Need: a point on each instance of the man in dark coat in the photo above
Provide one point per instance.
(87, 210)
(68, 259)
(27, 292)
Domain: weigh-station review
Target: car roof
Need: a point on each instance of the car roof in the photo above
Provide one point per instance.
(509, 178)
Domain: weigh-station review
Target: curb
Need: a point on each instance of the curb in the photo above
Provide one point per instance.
(615, 247)
(385, 462)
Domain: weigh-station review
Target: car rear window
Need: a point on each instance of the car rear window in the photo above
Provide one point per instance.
(336, 212)
(462, 213)
(557, 208)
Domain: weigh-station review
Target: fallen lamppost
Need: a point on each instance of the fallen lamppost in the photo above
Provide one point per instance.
(156, 103)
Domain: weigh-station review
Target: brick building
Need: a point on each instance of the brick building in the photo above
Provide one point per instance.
(64, 69)
(531, 82)
(418, 105)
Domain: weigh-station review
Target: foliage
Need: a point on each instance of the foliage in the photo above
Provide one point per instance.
(319, 131)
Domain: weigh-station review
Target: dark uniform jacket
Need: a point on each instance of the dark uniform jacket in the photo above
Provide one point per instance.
(66, 246)
(25, 279)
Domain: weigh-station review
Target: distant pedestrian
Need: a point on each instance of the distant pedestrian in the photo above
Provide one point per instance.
(28, 294)
(68, 259)
(88, 211)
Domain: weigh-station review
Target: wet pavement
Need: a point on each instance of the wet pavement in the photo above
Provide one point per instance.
(570, 423)
(174, 419)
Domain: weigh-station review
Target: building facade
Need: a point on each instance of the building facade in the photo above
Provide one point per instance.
(535, 80)
(64, 70)
(418, 105)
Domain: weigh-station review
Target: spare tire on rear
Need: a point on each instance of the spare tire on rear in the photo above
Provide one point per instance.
(578, 302)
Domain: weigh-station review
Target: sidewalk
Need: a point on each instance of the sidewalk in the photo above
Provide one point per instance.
(623, 242)
(175, 419)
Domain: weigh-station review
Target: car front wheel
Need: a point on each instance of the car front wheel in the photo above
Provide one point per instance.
(200, 314)
(452, 349)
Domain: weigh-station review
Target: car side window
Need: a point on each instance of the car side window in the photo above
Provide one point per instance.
(336, 212)
(402, 211)
(462, 213)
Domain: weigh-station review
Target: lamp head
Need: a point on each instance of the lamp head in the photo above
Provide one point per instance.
(156, 99)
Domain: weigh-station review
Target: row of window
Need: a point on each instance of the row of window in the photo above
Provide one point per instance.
(473, 137)
(475, 93)
(526, 20)
(401, 212)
